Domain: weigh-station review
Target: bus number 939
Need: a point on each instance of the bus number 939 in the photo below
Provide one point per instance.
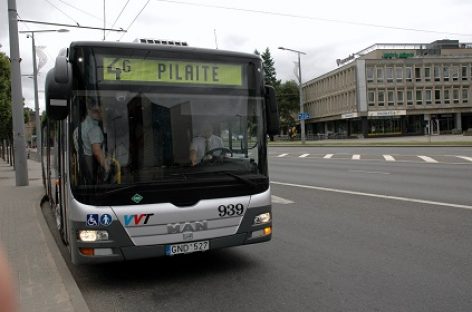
(230, 210)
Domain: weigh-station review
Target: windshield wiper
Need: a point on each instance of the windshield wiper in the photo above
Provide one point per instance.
(239, 178)
(115, 188)
(227, 173)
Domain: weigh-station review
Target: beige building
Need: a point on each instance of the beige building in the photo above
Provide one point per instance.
(394, 89)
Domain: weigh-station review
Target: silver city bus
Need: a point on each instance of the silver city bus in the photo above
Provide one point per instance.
(154, 150)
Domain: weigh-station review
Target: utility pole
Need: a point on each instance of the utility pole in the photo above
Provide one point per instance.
(300, 90)
(21, 165)
(35, 84)
(36, 100)
(104, 20)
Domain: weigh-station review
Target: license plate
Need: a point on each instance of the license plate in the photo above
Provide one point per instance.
(186, 248)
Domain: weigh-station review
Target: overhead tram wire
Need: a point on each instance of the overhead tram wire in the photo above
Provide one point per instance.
(71, 26)
(77, 25)
(139, 13)
(118, 17)
(80, 10)
(71, 18)
(314, 18)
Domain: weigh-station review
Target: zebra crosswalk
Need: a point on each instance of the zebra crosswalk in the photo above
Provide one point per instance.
(435, 159)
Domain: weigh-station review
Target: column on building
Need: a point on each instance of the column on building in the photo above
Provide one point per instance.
(458, 123)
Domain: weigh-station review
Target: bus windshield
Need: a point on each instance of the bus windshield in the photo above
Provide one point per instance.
(147, 119)
(149, 137)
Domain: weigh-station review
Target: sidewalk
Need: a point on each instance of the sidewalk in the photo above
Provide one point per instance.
(43, 281)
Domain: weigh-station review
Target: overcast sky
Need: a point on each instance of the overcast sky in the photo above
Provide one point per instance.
(325, 30)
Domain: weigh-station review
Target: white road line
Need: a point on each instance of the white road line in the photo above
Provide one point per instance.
(428, 159)
(465, 158)
(280, 200)
(406, 199)
(370, 172)
(388, 157)
(356, 157)
(282, 155)
(328, 156)
(303, 156)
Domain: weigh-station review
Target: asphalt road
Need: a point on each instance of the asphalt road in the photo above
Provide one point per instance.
(332, 250)
(435, 174)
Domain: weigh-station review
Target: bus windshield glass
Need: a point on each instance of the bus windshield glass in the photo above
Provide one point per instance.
(131, 130)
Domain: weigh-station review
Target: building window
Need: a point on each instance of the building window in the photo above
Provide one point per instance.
(408, 74)
(447, 97)
(381, 98)
(409, 97)
(400, 97)
(465, 95)
(370, 74)
(455, 95)
(380, 74)
(399, 74)
(446, 72)
(371, 98)
(465, 74)
(428, 96)
(437, 96)
(390, 98)
(427, 74)
(437, 73)
(418, 73)
(455, 73)
(419, 97)
(389, 74)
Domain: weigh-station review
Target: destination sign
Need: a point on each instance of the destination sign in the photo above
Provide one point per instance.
(171, 71)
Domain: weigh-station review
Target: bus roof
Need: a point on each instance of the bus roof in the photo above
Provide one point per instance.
(163, 48)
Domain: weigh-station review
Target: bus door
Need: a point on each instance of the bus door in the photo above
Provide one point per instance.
(58, 176)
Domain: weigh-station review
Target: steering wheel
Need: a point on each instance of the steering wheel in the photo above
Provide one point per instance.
(211, 152)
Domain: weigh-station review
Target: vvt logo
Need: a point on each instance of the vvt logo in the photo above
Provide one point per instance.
(138, 219)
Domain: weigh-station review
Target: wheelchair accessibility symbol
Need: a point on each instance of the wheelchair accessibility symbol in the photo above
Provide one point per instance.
(94, 219)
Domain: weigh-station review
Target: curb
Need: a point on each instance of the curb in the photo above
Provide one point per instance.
(76, 298)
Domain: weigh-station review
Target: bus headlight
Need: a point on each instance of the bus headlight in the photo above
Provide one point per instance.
(93, 235)
(262, 218)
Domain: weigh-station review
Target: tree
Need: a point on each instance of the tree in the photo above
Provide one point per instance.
(5, 99)
(288, 101)
(28, 114)
(270, 76)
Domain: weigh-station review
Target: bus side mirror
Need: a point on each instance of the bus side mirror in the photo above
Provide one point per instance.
(272, 111)
(57, 92)
(62, 71)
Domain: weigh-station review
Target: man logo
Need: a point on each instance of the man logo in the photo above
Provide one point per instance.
(195, 226)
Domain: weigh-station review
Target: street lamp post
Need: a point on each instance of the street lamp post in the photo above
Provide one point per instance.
(35, 82)
(302, 117)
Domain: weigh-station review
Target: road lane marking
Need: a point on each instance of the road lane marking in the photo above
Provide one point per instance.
(405, 199)
(282, 155)
(465, 158)
(356, 157)
(388, 157)
(370, 172)
(328, 156)
(428, 159)
(303, 156)
(280, 200)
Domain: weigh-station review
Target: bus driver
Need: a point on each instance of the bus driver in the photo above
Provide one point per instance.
(201, 145)
(91, 140)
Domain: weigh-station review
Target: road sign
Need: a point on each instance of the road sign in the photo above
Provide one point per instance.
(304, 116)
